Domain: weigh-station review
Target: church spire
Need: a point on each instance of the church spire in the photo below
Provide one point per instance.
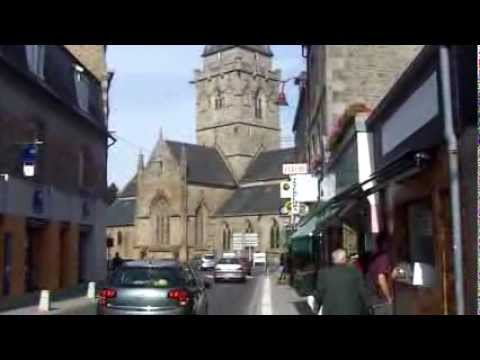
(140, 164)
(157, 151)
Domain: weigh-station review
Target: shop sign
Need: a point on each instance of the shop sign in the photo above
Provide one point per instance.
(295, 169)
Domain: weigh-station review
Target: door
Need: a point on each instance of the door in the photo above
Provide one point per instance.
(82, 256)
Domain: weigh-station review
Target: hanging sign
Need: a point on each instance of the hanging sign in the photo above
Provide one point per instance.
(29, 159)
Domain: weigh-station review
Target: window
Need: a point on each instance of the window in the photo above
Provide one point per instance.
(199, 227)
(420, 233)
(219, 101)
(82, 88)
(227, 237)
(236, 129)
(161, 221)
(36, 59)
(119, 238)
(258, 106)
(249, 229)
(146, 278)
(275, 236)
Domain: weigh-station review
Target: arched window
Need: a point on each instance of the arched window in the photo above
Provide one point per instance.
(226, 237)
(258, 106)
(275, 236)
(249, 228)
(160, 214)
(119, 238)
(199, 227)
(219, 101)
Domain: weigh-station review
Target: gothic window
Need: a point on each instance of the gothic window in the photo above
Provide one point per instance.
(258, 106)
(162, 222)
(226, 237)
(275, 236)
(119, 238)
(219, 101)
(249, 229)
(199, 227)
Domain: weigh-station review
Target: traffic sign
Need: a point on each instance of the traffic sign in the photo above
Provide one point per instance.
(286, 190)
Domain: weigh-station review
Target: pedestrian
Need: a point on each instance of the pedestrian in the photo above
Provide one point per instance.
(341, 289)
(283, 267)
(116, 262)
(379, 277)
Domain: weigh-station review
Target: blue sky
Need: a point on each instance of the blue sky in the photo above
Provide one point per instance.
(151, 90)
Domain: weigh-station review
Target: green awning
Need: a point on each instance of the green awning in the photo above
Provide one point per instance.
(306, 230)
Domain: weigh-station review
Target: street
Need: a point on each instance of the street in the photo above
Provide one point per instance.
(224, 298)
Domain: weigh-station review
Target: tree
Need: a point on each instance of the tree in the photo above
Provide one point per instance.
(112, 193)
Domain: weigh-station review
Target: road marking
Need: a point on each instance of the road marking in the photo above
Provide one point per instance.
(267, 297)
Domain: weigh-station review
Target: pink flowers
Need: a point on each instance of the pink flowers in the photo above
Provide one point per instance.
(343, 123)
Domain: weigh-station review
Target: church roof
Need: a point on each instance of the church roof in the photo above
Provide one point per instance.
(204, 164)
(130, 190)
(213, 49)
(257, 200)
(269, 165)
(121, 213)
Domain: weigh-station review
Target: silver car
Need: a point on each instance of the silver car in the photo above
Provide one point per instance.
(230, 269)
(208, 262)
(154, 288)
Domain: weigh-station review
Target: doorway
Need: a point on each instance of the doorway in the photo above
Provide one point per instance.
(33, 246)
(83, 242)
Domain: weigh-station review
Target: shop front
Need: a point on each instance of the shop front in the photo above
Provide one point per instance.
(422, 204)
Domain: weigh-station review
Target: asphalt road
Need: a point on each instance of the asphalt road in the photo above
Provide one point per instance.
(235, 298)
(223, 298)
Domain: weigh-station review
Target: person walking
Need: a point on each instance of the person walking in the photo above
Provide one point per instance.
(116, 262)
(283, 268)
(379, 277)
(341, 289)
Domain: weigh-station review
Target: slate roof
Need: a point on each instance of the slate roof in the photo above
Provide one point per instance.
(269, 165)
(121, 213)
(204, 164)
(262, 49)
(130, 189)
(257, 200)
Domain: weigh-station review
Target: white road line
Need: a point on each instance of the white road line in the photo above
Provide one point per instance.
(267, 297)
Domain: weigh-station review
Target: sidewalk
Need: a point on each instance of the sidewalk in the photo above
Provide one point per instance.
(285, 300)
(77, 306)
(72, 301)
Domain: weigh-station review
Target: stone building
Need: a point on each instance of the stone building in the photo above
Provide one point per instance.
(52, 225)
(187, 199)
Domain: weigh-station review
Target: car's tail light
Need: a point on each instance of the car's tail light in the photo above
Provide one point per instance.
(179, 295)
(107, 294)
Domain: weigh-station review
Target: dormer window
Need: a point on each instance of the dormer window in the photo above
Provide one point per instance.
(36, 59)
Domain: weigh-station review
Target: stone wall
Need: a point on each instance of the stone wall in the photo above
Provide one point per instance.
(92, 57)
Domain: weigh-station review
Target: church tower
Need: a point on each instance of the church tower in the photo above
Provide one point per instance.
(236, 94)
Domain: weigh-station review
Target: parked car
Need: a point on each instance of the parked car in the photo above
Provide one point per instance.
(208, 262)
(230, 269)
(154, 288)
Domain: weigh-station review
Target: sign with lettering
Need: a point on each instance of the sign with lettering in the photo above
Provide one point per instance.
(295, 169)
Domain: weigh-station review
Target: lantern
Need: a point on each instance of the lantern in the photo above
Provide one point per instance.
(282, 98)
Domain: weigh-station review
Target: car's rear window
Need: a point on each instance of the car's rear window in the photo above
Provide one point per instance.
(209, 257)
(229, 261)
(146, 278)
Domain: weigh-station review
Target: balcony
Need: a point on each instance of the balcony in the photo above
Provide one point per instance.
(57, 72)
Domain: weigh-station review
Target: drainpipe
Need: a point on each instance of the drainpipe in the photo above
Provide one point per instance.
(453, 166)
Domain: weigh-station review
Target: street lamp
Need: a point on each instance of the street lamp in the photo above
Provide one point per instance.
(282, 98)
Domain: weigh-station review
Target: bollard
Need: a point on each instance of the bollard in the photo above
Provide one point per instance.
(91, 290)
(44, 304)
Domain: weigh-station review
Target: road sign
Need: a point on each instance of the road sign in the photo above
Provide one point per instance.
(295, 169)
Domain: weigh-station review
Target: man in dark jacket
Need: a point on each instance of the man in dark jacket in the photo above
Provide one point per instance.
(341, 289)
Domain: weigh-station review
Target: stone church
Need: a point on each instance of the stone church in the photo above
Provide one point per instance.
(188, 199)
